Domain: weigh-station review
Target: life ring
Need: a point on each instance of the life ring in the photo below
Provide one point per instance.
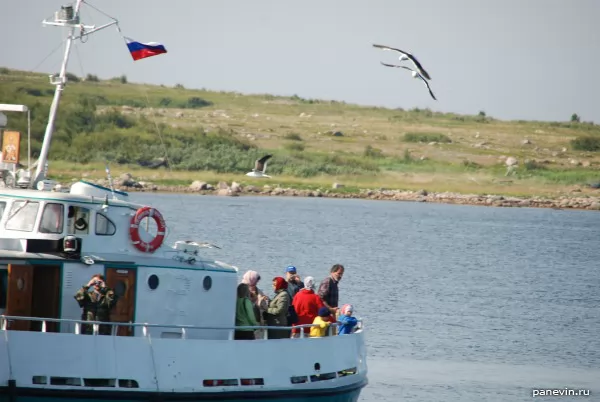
(134, 233)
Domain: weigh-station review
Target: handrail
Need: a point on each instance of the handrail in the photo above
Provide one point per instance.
(4, 319)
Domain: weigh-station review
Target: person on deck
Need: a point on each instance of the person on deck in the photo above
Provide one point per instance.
(278, 309)
(293, 280)
(321, 323)
(260, 301)
(96, 300)
(307, 304)
(329, 292)
(244, 314)
(346, 322)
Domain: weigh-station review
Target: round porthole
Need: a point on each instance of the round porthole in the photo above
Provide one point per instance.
(207, 283)
(153, 282)
(120, 289)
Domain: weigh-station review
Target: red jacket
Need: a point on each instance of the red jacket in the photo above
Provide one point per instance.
(307, 304)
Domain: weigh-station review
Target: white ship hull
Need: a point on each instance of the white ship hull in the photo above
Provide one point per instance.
(61, 366)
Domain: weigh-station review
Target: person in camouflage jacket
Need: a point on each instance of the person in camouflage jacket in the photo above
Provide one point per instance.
(96, 304)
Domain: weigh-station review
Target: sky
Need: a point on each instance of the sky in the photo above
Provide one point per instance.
(513, 59)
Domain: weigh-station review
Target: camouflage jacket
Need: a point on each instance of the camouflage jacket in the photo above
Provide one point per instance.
(96, 305)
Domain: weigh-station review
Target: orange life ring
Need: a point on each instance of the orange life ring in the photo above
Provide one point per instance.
(134, 233)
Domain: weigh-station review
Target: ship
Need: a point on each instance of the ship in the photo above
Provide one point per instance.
(171, 331)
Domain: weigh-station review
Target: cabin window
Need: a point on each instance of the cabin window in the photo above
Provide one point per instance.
(120, 288)
(22, 215)
(104, 226)
(322, 377)
(52, 218)
(78, 220)
(128, 384)
(2, 208)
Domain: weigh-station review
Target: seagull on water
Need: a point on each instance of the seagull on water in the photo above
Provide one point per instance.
(415, 74)
(260, 166)
(407, 56)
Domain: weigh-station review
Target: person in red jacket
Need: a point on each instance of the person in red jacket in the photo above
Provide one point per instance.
(307, 304)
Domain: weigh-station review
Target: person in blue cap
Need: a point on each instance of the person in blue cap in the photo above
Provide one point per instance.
(293, 280)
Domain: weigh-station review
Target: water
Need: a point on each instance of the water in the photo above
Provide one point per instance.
(461, 303)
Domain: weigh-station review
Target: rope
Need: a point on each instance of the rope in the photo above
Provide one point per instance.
(79, 60)
(49, 54)
(100, 11)
(168, 160)
(162, 142)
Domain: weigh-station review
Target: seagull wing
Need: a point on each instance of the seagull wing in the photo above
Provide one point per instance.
(427, 85)
(418, 66)
(389, 48)
(397, 66)
(260, 163)
(410, 56)
(418, 75)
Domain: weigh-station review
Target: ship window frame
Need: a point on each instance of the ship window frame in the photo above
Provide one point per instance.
(2, 208)
(22, 206)
(78, 220)
(61, 219)
(110, 224)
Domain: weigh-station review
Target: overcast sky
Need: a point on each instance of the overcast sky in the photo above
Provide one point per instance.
(514, 59)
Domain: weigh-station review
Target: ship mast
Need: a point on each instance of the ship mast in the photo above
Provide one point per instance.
(67, 17)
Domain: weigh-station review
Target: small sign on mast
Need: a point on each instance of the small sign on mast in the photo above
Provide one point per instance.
(11, 146)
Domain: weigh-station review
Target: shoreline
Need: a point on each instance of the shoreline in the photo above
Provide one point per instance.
(579, 201)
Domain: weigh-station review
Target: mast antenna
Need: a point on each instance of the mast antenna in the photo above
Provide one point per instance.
(66, 17)
(110, 182)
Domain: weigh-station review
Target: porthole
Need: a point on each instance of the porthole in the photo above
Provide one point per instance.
(21, 284)
(120, 289)
(153, 282)
(207, 283)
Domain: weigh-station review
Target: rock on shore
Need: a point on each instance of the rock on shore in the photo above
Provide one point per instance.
(578, 201)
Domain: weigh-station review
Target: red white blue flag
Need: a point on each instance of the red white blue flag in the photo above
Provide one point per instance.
(141, 50)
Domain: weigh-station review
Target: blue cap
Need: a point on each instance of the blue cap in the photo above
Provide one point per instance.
(291, 269)
(324, 312)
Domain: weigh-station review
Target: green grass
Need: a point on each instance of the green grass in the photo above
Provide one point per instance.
(216, 136)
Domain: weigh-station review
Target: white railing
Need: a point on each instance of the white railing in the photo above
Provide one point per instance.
(5, 319)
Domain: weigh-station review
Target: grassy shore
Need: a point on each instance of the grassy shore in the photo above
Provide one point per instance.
(216, 136)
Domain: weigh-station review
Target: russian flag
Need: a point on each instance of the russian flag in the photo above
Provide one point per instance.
(140, 50)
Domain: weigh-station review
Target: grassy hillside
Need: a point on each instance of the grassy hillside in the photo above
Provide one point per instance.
(217, 136)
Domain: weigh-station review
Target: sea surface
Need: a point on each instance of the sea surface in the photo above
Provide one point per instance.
(461, 303)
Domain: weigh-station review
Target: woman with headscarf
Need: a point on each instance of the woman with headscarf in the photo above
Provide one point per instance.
(257, 297)
(260, 302)
(278, 309)
(307, 304)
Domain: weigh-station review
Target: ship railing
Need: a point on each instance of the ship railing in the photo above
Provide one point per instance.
(6, 319)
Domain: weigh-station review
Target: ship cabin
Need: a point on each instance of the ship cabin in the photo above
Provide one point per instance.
(53, 242)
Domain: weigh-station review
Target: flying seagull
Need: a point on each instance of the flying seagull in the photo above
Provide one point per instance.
(260, 166)
(415, 74)
(407, 56)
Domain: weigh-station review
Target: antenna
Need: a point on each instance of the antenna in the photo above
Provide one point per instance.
(110, 182)
(67, 17)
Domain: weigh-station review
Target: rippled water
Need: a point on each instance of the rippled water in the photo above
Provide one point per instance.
(461, 303)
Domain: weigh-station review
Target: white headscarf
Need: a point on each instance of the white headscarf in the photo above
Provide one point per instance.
(309, 282)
